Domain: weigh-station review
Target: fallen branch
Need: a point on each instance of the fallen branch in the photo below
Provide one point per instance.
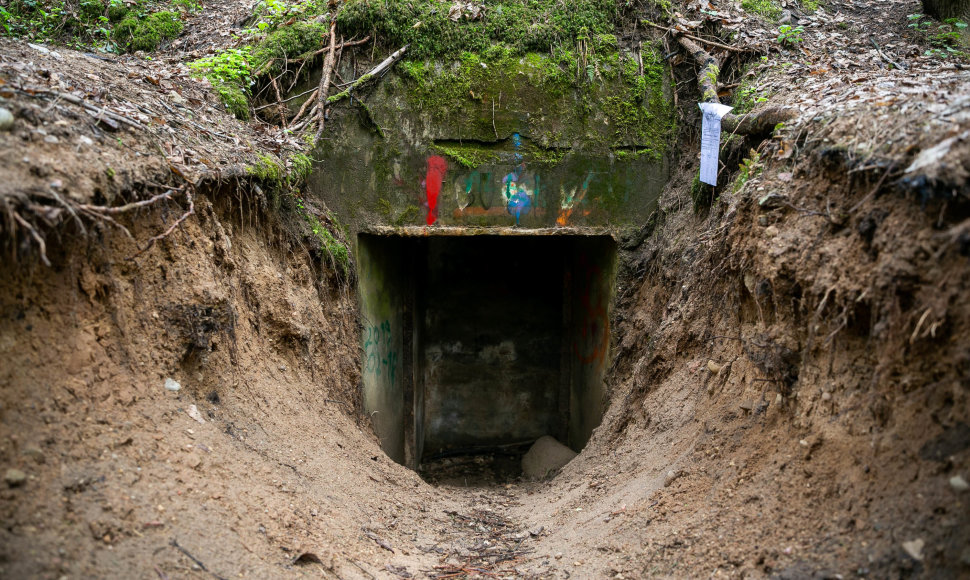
(885, 56)
(679, 33)
(375, 72)
(312, 99)
(707, 78)
(279, 103)
(757, 124)
(82, 103)
(750, 124)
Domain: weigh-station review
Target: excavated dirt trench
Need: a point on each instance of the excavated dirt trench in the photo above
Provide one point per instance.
(718, 450)
(779, 387)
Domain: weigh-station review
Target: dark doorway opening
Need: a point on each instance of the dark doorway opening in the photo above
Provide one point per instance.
(477, 345)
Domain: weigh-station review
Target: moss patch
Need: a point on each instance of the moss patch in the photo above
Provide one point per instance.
(470, 156)
(147, 33)
(606, 97)
(765, 8)
(526, 25)
(270, 54)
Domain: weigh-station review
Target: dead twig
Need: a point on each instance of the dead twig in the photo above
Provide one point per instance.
(288, 99)
(679, 33)
(279, 103)
(380, 541)
(884, 56)
(312, 99)
(174, 543)
(99, 112)
(375, 72)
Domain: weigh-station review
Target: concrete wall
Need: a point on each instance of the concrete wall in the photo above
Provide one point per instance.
(492, 143)
(475, 342)
(489, 365)
(591, 272)
(384, 283)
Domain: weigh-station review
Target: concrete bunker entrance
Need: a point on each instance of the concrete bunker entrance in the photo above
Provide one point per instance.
(477, 344)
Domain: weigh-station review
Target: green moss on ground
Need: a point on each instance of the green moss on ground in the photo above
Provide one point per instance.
(526, 25)
(289, 42)
(147, 33)
(766, 8)
(269, 170)
(103, 25)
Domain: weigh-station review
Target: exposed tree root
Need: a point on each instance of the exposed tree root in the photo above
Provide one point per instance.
(178, 222)
(324, 88)
(759, 123)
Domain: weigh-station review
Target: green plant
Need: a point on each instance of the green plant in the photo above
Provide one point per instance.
(748, 168)
(300, 166)
(5, 18)
(810, 5)
(947, 36)
(267, 169)
(230, 65)
(747, 96)
(190, 6)
(230, 74)
(918, 21)
(790, 35)
(533, 26)
(946, 39)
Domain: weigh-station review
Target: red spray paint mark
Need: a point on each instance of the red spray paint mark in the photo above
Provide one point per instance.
(437, 167)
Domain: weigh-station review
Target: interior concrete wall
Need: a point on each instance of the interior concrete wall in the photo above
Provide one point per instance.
(590, 274)
(489, 366)
(477, 342)
(383, 283)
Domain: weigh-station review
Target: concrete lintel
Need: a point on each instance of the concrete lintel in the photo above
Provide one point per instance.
(422, 231)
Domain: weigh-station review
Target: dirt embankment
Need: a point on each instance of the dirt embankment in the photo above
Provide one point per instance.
(790, 387)
(118, 467)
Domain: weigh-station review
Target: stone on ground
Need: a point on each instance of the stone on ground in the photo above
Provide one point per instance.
(545, 457)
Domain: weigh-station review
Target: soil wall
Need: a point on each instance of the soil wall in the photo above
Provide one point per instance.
(121, 474)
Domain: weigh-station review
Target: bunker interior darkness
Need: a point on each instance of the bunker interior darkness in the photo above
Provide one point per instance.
(480, 344)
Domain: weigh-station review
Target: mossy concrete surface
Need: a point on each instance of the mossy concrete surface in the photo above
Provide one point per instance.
(569, 138)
